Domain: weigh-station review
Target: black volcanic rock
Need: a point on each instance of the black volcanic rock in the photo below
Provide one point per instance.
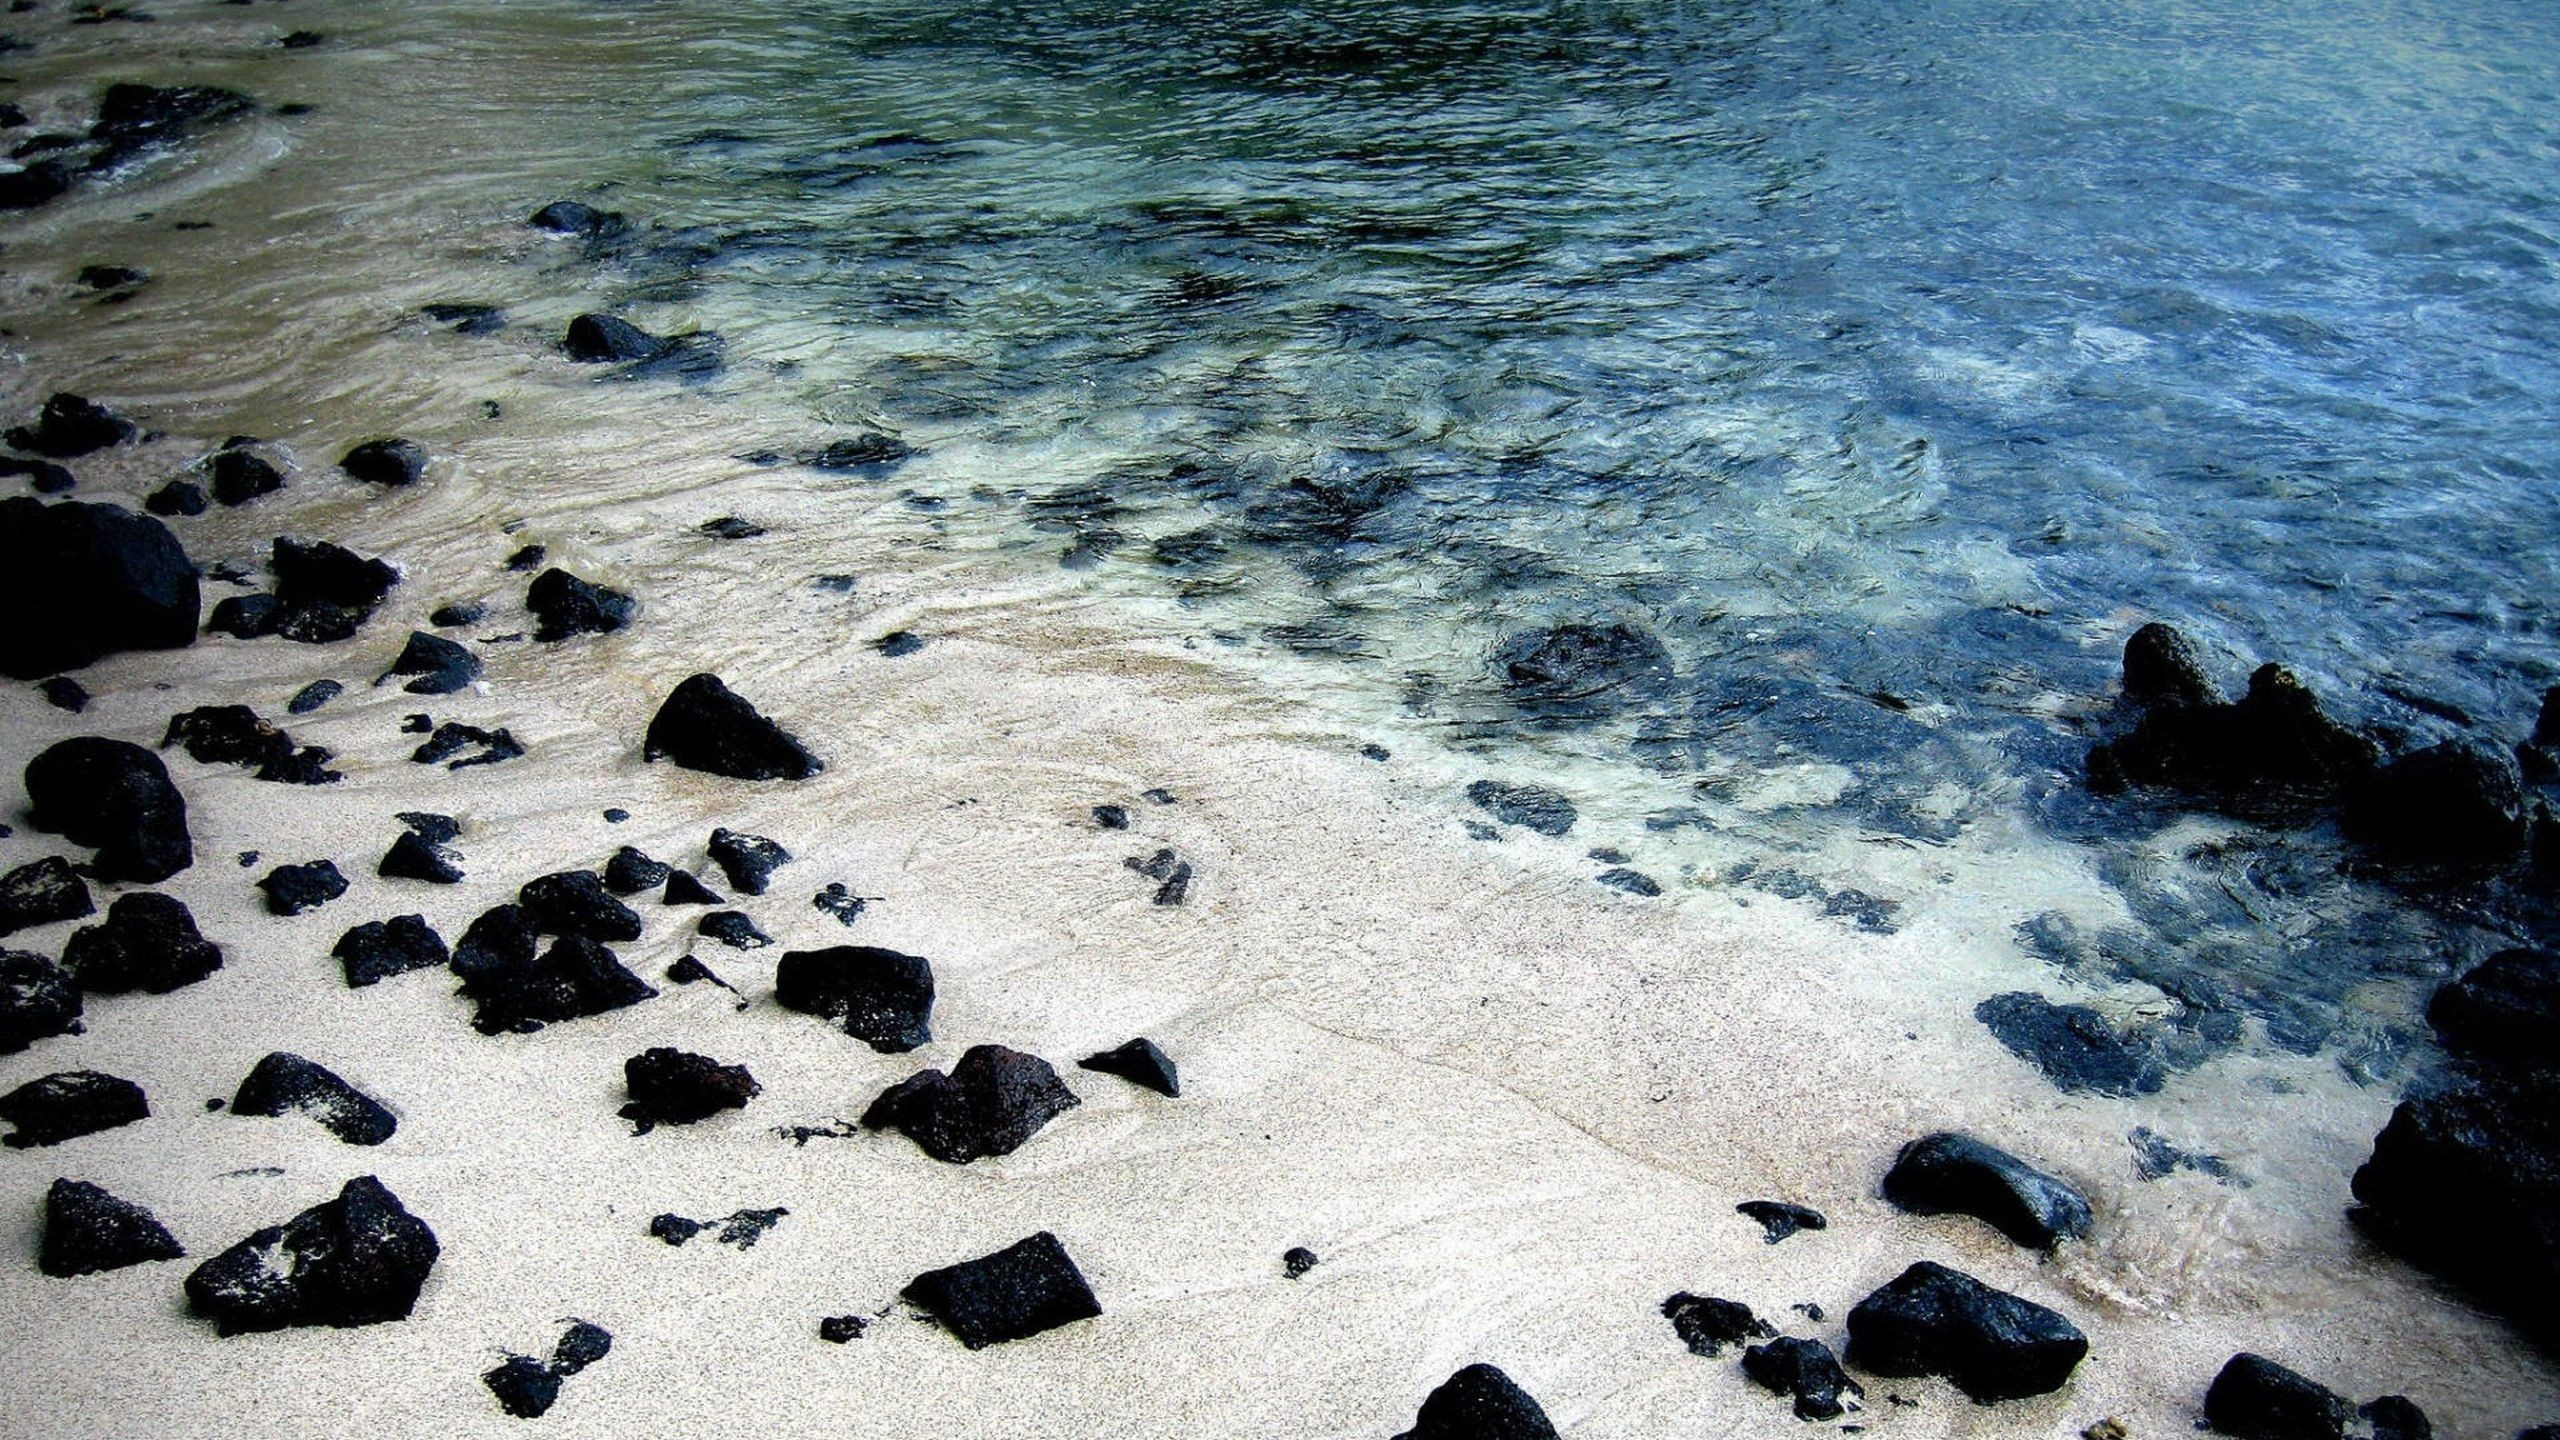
(180, 497)
(500, 938)
(870, 450)
(70, 426)
(1532, 807)
(133, 118)
(2505, 1009)
(678, 1087)
(748, 860)
(37, 1001)
(683, 889)
(1782, 1219)
(1297, 1260)
(285, 1083)
(992, 1102)
(1804, 1369)
(1480, 1403)
(524, 1387)
(1140, 1063)
(2396, 1417)
(415, 857)
(42, 892)
(87, 1230)
(842, 1329)
(575, 902)
(733, 928)
(292, 889)
(238, 735)
(568, 217)
(1017, 1292)
(1581, 671)
(705, 726)
(2454, 803)
(379, 949)
(390, 462)
(566, 606)
(1946, 1173)
(882, 997)
(69, 1104)
(312, 696)
(1993, 1345)
(35, 184)
(2161, 667)
(448, 740)
(359, 1259)
(81, 581)
(2255, 1398)
(631, 871)
(2465, 1181)
(238, 475)
(2073, 1045)
(319, 573)
(595, 339)
(1707, 1324)
(576, 977)
(439, 666)
(2275, 751)
(148, 942)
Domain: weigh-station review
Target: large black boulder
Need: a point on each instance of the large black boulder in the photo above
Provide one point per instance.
(2465, 1181)
(706, 726)
(1480, 1403)
(148, 942)
(1017, 1292)
(286, 1084)
(2274, 752)
(42, 892)
(2454, 803)
(2161, 667)
(575, 902)
(359, 1259)
(883, 997)
(37, 1001)
(992, 1102)
(1581, 671)
(116, 797)
(70, 426)
(391, 462)
(2506, 1009)
(1993, 1345)
(576, 977)
(69, 1104)
(678, 1087)
(565, 605)
(87, 1230)
(1947, 1173)
(80, 581)
(2255, 1398)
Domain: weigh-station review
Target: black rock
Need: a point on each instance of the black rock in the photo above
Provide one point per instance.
(1297, 1260)
(1480, 1403)
(529, 557)
(741, 1230)
(182, 497)
(148, 942)
(1707, 1325)
(631, 871)
(1931, 1320)
(240, 475)
(392, 462)
(133, 118)
(1633, 882)
(2161, 667)
(312, 696)
(683, 889)
(466, 318)
(2154, 1156)
(292, 889)
(1017, 1292)
(597, 339)
(34, 185)
(284, 1083)
(2454, 803)
(576, 977)
(2505, 1009)
(568, 217)
(112, 277)
(1140, 1063)
(615, 815)
(882, 997)
(992, 1102)
(1531, 806)
(678, 1087)
(1946, 1173)
(2465, 1181)
(501, 938)
(70, 426)
(567, 606)
(87, 1230)
(379, 949)
(2073, 1045)
(1171, 872)
(2396, 1417)
(1581, 671)
(1804, 1369)
(447, 742)
(732, 928)
(460, 613)
(574, 902)
(69, 1104)
(704, 726)
(584, 1343)
(525, 1387)
(835, 900)
(2257, 1399)
(1781, 1219)
(870, 450)
(2273, 752)
(441, 666)
(838, 1329)
(673, 1230)
(80, 581)
(359, 1259)
(1111, 817)
(748, 860)
(237, 735)
(42, 892)
(249, 617)
(415, 857)
(37, 1001)
(324, 592)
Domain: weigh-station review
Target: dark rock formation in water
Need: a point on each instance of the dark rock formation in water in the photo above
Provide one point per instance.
(2163, 668)
(1140, 1063)
(81, 581)
(393, 463)
(1017, 1292)
(238, 735)
(1946, 1173)
(37, 1001)
(993, 1101)
(42, 892)
(1931, 1320)
(292, 889)
(576, 977)
(1581, 671)
(1532, 807)
(324, 593)
(379, 949)
(2275, 752)
(180, 497)
(574, 902)
(237, 474)
(748, 860)
(439, 666)
(1480, 1403)
(359, 1259)
(1781, 1218)
(70, 426)
(447, 742)
(2505, 1010)
(87, 1230)
(705, 726)
(566, 606)
(2465, 1181)
(1707, 1324)
(568, 217)
(871, 450)
(148, 942)
(1805, 1370)
(595, 338)
(135, 118)
(2457, 802)
(2074, 1045)
(287, 1084)
(69, 1104)
(678, 1087)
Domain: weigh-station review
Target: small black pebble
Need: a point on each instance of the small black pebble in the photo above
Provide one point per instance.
(837, 1329)
(216, 1103)
(731, 527)
(312, 696)
(616, 815)
(64, 693)
(528, 558)
(1111, 817)
(1160, 796)
(898, 642)
(1297, 1260)
(462, 613)
(1373, 752)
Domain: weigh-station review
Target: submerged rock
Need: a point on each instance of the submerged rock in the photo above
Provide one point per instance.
(148, 942)
(1781, 1219)
(678, 1087)
(69, 1104)
(80, 581)
(70, 426)
(2505, 1009)
(239, 474)
(840, 904)
(1532, 807)
(871, 450)
(1017, 1292)
(2073, 1045)
(285, 1083)
(379, 949)
(595, 338)
(393, 463)
(37, 1001)
(992, 1102)
(2274, 751)
(292, 889)
(359, 1259)
(134, 118)
(1707, 1324)
(1947, 1173)
(748, 860)
(1806, 1370)
(2255, 1398)
(87, 1230)
(1140, 1063)
(439, 666)
(568, 217)
(1480, 1403)
(1581, 671)
(576, 977)
(324, 593)
(180, 497)
(567, 606)
(705, 726)
(42, 892)
(1931, 1320)
(882, 997)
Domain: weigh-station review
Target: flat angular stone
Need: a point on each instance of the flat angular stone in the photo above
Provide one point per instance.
(42, 892)
(733, 928)
(1017, 1292)
(748, 860)
(1480, 1403)
(992, 1102)
(287, 1084)
(882, 997)
(69, 1104)
(414, 857)
(359, 1259)
(1140, 1063)
(1931, 1320)
(87, 1230)
(1946, 1173)
(148, 942)
(705, 726)
(683, 889)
